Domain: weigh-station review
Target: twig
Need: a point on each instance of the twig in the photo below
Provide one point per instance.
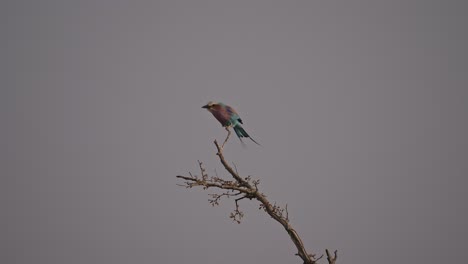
(331, 259)
(229, 133)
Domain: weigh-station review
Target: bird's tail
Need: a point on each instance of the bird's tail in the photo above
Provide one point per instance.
(240, 132)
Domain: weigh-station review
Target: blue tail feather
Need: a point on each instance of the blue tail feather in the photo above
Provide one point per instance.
(240, 132)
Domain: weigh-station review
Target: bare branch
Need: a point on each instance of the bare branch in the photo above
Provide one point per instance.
(237, 214)
(331, 259)
(229, 133)
(248, 188)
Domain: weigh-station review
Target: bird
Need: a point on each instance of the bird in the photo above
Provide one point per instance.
(228, 117)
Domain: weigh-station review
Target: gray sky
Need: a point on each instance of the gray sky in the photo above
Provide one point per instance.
(361, 108)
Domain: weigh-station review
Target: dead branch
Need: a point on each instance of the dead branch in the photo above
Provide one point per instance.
(331, 259)
(248, 188)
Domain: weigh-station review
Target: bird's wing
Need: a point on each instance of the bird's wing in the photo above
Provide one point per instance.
(222, 114)
(233, 114)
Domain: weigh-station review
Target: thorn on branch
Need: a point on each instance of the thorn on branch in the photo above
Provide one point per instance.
(317, 259)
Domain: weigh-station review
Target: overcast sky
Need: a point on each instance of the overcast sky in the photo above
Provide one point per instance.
(361, 108)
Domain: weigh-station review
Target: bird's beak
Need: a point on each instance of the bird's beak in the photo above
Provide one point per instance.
(205, 106)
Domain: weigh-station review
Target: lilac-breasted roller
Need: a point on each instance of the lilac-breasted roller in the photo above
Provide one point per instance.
(228, 117)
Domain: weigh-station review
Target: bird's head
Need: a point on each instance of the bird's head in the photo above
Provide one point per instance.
(209, 105)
